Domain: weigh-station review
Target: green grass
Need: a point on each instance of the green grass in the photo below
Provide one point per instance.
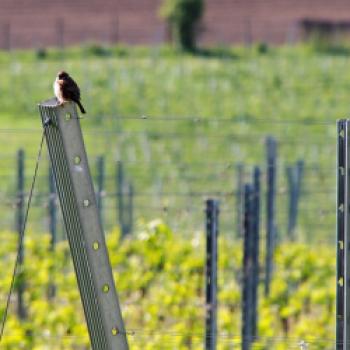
(282, 86)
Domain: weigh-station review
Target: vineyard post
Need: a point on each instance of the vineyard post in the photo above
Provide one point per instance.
(299, 177)
(212, 231)
(239, 199)
(83, 225)
(52, 209)
(247, 282)
(270, 210)
(255, 248)
(120, 198)
(100, 185)
(294, 177)
(21, 311)
(343, 240)
(130, 207)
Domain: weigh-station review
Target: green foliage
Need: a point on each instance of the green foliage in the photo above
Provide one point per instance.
(183, 15)
(160, 280)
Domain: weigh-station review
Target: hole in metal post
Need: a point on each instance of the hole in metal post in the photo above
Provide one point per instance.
(96, 245)
(105, 288)
(86, 202)
(77, 160)
(115, 331)
(68, 116)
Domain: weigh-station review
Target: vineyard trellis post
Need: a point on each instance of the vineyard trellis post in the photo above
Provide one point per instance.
(239, 199)
(120, 198)
(21, 311)
(255, 249)
(251, 274)
(294, 177)
(271, 149)
(125, 195)
(212, 231)
(83, 226)
(343, 236)
(130, 207)
(247, 280)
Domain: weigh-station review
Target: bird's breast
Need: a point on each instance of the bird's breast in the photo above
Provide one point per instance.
(58, 90)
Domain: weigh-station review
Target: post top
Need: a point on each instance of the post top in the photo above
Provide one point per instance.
(52, 102)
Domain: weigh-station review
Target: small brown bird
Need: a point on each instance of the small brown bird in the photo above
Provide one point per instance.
(66, 89)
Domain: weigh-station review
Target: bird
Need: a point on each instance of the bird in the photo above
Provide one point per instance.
(66, 89)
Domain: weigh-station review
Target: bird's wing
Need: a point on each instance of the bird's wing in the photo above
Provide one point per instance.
(71, 90)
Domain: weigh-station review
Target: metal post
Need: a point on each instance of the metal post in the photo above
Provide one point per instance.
(52, 209)
(100, 185)
(21, 311)
(212, 221)
(294, 177)
(83, 226)
(270, 210)
(299, 178)
(120, 198)
(255, 249)
(130, 208)
(343, 236)
(239, 199)
(247, 288)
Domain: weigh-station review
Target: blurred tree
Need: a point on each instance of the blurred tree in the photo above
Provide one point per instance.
(183, 16)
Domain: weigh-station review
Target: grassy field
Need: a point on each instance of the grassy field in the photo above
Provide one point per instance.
(205, 114)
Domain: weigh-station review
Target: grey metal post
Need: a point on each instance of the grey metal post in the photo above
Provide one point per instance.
(212, 214)
(343, 236)
(52, 209)
(270, 210)
(21, 311)
(247, 283)
(130, 208)
(239, 200)
(83, 226)
(100, 185)
(255, 249)
(294, 177)
(299, 178)
(120, 198)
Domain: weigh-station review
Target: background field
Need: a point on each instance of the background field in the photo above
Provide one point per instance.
(205, 115)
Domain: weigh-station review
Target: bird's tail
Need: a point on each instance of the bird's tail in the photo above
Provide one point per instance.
(82, 110)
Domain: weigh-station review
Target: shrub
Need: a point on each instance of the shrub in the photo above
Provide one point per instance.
(183, 16)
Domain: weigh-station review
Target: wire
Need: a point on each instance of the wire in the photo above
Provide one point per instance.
(21, 239)
(240, 119)
(240, 138)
